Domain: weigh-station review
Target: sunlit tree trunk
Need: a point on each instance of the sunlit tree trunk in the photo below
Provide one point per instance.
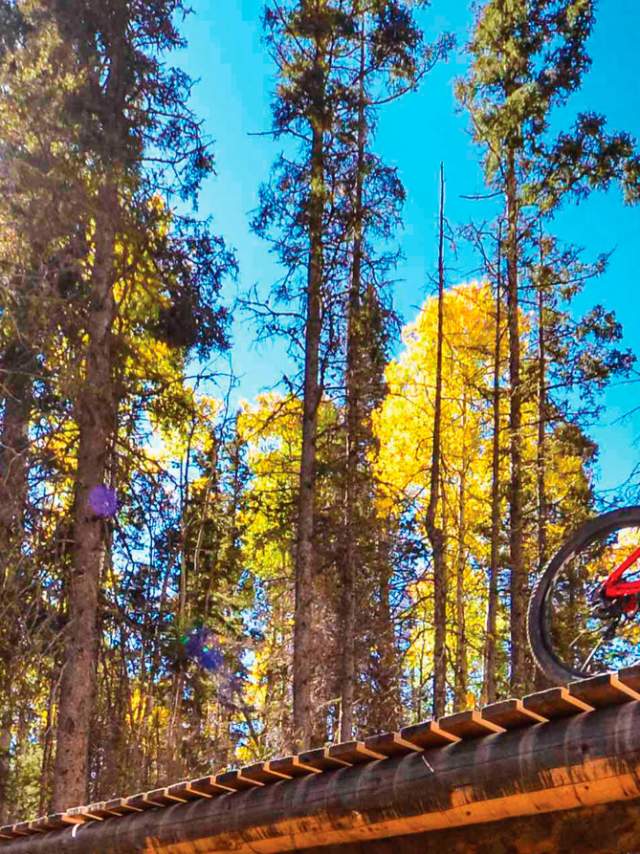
(461, 666)
(95, 419)
(541, 455)
(516, 536)
(434, 529)
(490, 658)
(354, 419)
(304, 653)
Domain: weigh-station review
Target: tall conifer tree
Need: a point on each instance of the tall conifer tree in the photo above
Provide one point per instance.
(528, 57)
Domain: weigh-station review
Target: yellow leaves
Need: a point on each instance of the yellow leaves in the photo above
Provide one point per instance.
(271, 430)
(404, 424)
(270, 425)
(404, 428)
(142, 708)
(578, 9)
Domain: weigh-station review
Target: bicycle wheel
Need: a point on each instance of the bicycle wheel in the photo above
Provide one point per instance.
(574, 630)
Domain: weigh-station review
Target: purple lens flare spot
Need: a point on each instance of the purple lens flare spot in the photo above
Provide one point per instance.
(202, 645)
(103, 501)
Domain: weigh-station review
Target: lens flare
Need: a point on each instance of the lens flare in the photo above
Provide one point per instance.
(103, 501)
(202, 646)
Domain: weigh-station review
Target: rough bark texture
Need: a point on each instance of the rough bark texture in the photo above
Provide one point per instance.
(305, 650)
(516, 554)
(461, 666)
(434, 530)
(490, 662)
(95, 418)
(18, 366)
(608, 829)
(354, 417)
(6, 722)
(541, 456)
(389, 707)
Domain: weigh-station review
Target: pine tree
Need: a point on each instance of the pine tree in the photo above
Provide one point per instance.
(306, 38)
(326, 213)
(116, 59)
(527, 59)
(389, 58)
(433, 515)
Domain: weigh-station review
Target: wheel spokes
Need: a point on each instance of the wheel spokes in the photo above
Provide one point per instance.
(587, 660)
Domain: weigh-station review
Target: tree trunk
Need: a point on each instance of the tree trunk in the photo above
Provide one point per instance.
(541, 456)
(434, 531)
(354, 419)
(490, 658)
(18, 368)
(305, 652)
(516, 557)
(460, 688)
(6, 726)
(47, 750)
(386, 710)
(95, 418)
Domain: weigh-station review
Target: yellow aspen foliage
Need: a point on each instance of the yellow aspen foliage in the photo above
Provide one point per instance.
(404, 431)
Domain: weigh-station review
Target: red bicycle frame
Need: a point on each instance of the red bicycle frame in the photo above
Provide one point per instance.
(613, 587)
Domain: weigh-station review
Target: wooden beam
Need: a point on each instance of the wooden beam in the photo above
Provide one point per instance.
(555, 703)
(569, 763)
(608, 829)
(470, 724)
(511, 714)
(427, 734)
(603, 690)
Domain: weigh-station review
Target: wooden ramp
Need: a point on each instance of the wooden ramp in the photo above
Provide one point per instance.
(556, 771)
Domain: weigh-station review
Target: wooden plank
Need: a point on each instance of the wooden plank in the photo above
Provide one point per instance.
(234, 780)
(53, 821)
(511, 714)
(631, 677)
(164, 797)
(8, 830)
(262, 773)
(45, 823)
(354, 752)
(183, 790)
(605, 689)
(83, 813)
(142, 801)
(555, 703)
(469, 724)
(208, 786)
(321, 759)
(42, 824)
(427, 734)
(292, 766)
(101, 810)
(21, 828)
(391, 744)
(119, 806)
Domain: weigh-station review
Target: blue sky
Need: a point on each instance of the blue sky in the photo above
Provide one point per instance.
(233, 95)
